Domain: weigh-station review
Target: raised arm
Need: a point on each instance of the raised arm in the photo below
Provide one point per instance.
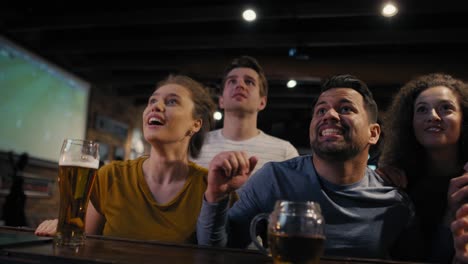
(457, 192)
(460, 235)
(457, 200)
(227, 172)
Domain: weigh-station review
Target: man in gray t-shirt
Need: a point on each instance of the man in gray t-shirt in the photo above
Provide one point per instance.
(363, 216)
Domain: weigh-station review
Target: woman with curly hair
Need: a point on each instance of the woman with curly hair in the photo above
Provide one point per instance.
(426, 146)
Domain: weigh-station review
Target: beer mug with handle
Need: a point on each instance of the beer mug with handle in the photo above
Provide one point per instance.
(78, 163)
(295, 232)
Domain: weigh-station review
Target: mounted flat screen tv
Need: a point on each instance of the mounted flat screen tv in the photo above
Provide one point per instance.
(40, 104)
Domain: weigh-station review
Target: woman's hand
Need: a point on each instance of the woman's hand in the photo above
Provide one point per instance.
(459, 229)
(456, 199)
(458, 192)
(47, 228)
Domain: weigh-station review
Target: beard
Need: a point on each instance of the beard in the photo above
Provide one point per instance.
(335, 152)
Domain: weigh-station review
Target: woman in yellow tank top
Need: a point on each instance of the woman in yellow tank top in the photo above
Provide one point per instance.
(156, 197)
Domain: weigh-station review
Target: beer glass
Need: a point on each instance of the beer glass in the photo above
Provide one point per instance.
(78, 163)
(295, 232)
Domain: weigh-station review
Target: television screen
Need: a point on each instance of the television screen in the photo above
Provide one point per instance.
(40, 104)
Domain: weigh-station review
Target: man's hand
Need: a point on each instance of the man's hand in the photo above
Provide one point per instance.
(227, 172)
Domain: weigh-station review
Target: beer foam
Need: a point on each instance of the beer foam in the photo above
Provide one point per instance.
(90, 163)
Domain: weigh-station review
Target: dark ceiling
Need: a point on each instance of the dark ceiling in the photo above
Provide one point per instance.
(126, 50)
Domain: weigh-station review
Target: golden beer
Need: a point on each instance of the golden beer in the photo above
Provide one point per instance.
(77, 170)
(75, 184)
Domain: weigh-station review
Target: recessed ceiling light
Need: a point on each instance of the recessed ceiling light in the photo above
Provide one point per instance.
(291, 83)
(218, 115)
(249, 15)
(389, 10)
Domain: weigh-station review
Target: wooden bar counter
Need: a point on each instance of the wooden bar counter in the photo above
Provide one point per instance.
(99, 249)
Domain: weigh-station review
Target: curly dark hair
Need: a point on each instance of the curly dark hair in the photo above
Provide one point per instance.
(401, 149)
(204, 107)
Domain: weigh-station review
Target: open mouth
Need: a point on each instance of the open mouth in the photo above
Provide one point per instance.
(154, 121)
(331, 132)
(433, 129)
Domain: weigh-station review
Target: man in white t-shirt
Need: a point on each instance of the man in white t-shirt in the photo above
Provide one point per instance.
(244, 94)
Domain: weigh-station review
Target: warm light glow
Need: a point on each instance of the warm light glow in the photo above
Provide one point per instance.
(389, 10)
(217, 115)
(291, 84)
(249, 15)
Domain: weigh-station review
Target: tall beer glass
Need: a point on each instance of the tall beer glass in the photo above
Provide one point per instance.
(78, 163)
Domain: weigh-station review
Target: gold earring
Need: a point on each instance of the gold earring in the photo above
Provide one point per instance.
(190, 133)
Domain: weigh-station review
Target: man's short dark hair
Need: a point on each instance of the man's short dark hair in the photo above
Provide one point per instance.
(251, 63)
(350, 81)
